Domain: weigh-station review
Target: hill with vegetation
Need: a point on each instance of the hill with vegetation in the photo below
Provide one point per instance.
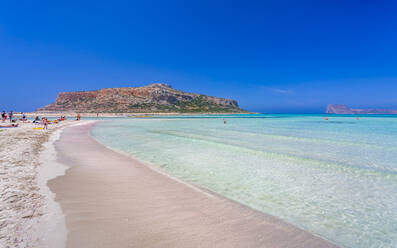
(159, 98)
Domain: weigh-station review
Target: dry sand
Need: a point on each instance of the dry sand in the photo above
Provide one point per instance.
(112, 200)
(23, 202)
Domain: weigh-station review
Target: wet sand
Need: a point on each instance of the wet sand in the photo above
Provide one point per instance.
(112, 200)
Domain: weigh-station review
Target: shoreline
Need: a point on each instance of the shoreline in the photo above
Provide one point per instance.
(51, 227)
(118, 197)
(114, 115)
(51, 231)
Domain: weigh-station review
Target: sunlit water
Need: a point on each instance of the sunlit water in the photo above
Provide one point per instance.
(335, 178)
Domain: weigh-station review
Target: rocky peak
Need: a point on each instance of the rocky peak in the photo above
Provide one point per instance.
(159, 85)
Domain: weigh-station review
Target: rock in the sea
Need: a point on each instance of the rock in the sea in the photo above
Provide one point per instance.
(343, 109)
(338, 109)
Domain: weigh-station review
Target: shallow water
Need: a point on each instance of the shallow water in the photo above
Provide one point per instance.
(335, 178)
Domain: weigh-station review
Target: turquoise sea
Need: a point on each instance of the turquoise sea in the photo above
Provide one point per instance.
(336, 178)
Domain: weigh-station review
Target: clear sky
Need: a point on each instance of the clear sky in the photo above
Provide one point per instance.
(271, 56)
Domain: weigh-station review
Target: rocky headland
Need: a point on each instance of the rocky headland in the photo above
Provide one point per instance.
(154, 98)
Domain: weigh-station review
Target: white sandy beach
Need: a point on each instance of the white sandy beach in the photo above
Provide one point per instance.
(112, 200)
(24, 199)
(106, 199)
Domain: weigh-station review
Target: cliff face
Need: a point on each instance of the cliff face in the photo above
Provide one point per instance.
(151, 98)
(343, 109)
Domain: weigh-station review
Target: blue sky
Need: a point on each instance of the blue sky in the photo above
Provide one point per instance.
(272, 56)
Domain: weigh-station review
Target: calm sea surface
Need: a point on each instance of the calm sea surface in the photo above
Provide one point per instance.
(335, 178)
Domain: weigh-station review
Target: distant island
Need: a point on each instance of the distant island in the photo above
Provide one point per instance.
(154, 98)
(343, 109)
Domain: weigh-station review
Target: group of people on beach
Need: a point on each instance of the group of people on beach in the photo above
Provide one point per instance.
(46, 122)
(14, 120)
(4, 116)
(10, 116)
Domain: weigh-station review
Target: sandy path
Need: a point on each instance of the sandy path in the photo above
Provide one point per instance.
(112, 200)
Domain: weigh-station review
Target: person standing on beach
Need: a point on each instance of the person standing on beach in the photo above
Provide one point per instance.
(10, 115)
(3, 116)
(45, 120)
(23, 117)
(78, 117)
